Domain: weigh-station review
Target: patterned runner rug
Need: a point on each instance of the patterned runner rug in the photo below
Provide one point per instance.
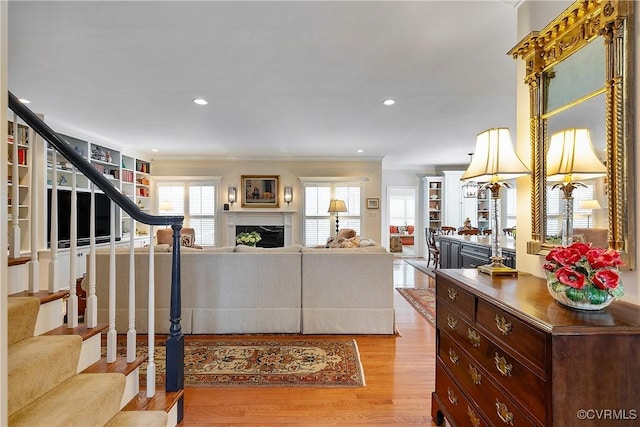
(267, 362)
(423, 300)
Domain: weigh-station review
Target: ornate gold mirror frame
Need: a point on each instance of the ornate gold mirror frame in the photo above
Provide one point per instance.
(578, 25)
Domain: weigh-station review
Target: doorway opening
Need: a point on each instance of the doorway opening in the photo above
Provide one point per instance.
(403, 233)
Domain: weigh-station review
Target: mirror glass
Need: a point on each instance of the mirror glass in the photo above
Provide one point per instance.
(579, 73)
(586, 114)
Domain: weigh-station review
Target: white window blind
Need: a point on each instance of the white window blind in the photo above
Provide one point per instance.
(554, 209)
(510, 194)
(196, 202)
(319, 224)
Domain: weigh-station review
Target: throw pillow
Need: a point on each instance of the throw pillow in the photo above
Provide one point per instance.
(402, 229)
(187, 240)
(341, 242)
(347, 233)
(393, 229)
(410, 229)
(364, 242)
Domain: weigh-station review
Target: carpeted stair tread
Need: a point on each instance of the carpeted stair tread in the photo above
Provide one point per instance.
(38, 364)
(82, 400)
(22, 315)
(139, 418)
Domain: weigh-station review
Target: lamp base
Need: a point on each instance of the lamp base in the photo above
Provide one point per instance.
(497, 268)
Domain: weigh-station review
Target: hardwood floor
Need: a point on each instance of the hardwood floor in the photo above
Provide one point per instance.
(399, 372)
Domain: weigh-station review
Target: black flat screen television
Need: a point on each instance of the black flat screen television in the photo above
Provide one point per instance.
(102, 218)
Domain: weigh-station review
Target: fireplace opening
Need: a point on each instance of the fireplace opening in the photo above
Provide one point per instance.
(272, 235)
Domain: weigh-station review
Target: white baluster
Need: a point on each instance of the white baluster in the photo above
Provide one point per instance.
(34, 264)
(112, 334)
(131, 333)
(72, 302)
(53, 263)
(92, 300)
(151, 367)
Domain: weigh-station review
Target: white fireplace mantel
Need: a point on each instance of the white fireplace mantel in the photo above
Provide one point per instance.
(258, 217)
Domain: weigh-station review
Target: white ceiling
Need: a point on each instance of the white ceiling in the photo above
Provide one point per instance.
(293, 80)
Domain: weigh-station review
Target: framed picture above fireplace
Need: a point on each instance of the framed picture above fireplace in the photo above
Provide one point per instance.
(260, 191)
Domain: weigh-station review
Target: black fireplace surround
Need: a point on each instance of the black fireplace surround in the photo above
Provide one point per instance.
(272, 235)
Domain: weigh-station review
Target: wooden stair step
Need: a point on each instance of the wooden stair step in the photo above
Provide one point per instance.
(119, 366)
(44, 296)
(81, 330)
(18, 261)
(139, 418)
(162, 401)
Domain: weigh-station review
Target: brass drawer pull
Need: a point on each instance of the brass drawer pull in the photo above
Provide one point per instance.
(453, 294)
(452, 397)
(451, 321)
(476, 376)
(473, 337)
(455, 359)
(502, 366)
(475, 419)
(503, 325)
(503, 413)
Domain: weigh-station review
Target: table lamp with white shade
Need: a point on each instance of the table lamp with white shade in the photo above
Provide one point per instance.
(591, 205)
(570, 159)
(493, 163)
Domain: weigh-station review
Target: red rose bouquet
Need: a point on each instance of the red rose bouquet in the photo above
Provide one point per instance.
(584, 274)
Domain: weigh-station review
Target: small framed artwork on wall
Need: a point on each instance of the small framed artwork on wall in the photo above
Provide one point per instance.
(373, 203)
(260, 191)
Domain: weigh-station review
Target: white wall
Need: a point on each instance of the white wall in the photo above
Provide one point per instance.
(532, 16)
(289, 172)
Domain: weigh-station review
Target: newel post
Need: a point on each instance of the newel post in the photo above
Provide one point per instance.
(175, 342)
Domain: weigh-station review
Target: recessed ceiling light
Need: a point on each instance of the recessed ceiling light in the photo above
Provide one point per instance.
(200, 101)
(359, 150)
(389, 101)
(155, 150)
(24, 101)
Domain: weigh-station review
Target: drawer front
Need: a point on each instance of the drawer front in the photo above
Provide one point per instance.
(516, 334)
(461, 300)
(476, 378)
(459, 411)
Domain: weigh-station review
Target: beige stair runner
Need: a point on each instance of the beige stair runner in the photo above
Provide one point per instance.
(44, 388)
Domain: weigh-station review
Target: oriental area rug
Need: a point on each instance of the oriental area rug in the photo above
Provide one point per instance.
(423, 300)
(268, 362)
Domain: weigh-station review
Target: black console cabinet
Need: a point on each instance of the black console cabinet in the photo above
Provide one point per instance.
(472, 251)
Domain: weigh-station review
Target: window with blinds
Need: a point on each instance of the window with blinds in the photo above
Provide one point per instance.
(581, 217)
(402, 206)
(196, 201)
(319, 224)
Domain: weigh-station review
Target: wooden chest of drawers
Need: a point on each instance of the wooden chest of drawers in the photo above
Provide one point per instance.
(508, 354)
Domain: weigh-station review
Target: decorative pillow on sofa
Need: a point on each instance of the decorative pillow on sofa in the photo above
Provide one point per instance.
(341, 242)
(393, 229)
(347, 233)
(402, 229)
(364, 242)
(187, 240)
(410, 229)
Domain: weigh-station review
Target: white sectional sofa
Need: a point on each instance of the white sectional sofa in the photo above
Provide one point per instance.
(233, 290)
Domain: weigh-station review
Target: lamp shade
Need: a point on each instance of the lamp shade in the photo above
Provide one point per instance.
(494, 159)
(337, 206)
(571, 157)
(589, 204)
